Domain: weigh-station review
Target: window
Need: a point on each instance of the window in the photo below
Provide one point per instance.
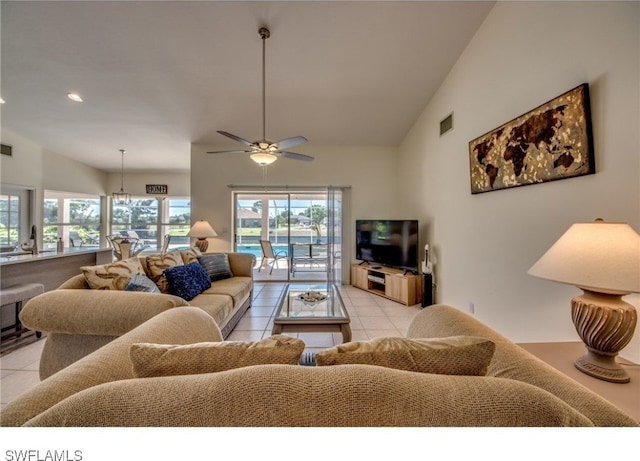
(150, 219)
(138, 220)
(177, 221)
(74, 218)
(9, 220)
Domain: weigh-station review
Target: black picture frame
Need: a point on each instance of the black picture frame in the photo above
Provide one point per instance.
(157, 189)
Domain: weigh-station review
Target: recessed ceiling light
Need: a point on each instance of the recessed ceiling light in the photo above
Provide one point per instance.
(1, 101)
(74, 97)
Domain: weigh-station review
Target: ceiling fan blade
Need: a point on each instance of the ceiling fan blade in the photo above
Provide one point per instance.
(293, 155)
(290, 142)
(230, 152)
(236, 138)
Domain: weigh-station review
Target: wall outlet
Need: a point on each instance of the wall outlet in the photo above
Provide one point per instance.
(472, 308)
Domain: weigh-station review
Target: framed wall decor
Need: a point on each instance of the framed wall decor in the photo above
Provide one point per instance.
(553, 141)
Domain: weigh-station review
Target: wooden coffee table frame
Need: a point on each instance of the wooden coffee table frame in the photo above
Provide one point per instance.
(311, 324)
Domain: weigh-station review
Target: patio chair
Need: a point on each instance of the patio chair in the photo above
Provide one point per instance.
(74, 240)
(311, 256)
(134, 235)
(269, 257)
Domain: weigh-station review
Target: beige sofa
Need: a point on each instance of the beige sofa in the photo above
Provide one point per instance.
(100, 389)
(79, 320)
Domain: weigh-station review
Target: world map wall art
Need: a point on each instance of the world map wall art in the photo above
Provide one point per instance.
(553, 141)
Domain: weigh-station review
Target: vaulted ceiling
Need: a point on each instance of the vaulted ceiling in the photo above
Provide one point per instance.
(156, 76)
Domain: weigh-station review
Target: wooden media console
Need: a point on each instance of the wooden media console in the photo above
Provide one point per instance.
(396, 284)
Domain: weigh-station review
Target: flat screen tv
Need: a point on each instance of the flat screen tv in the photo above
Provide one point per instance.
(389, 242)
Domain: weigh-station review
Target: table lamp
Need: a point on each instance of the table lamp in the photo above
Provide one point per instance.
(202, 230)
(603, 260)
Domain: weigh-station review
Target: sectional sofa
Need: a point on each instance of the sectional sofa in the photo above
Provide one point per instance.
(102, 389)
(93, 308)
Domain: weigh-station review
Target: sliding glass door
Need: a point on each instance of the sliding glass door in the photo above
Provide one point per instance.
(295, 236)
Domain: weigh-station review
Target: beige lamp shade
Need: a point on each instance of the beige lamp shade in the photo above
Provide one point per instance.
(603, 259)
(202, 230)
(599, 256)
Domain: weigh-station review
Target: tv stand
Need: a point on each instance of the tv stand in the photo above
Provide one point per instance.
(395, 284)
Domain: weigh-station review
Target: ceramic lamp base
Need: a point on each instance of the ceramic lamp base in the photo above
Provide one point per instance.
(202, 244)
(605, 324)
(602, 367)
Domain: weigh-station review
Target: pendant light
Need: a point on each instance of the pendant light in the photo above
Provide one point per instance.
(121, 198)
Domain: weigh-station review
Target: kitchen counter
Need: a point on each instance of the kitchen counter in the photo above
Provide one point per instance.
(49, 267)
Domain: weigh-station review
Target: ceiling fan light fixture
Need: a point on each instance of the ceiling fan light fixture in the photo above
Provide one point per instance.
(265, 152)
(263, 158)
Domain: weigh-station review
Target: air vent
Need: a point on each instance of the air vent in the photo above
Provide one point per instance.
(6, 150)
(446, 124)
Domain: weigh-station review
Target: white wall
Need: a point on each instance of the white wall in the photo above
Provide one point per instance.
(64, 174)
(25, 166)
(370, 171)
(178, 184)
(33, 167)
(36, 169)
(524, 54)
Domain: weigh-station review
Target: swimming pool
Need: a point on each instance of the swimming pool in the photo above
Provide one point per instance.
(256, 250)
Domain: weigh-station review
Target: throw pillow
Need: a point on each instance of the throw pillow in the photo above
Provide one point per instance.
(113, 276)
(150, 360)
(163, 284)
(217, 266)
(187, 281)
(143, 283)
(190, 255)
(156, 264)
(454, 355)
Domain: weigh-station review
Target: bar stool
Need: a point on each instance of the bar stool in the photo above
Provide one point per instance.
(16, 295)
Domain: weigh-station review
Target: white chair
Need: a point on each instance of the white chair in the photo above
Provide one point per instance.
(269, 255)
(134, 235)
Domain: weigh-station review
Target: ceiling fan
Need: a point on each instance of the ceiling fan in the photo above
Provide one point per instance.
(263, 151)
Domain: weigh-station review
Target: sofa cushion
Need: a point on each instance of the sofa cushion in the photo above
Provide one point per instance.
(141, 282)
(149, 360)
(163, 284)
(217, 306)
(217, 266)
(239, 288)
(113, 276)
(187, 280)
(156, 264)
(454, 355)
(190, 255)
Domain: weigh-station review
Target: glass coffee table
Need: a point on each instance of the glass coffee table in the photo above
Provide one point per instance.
(312, 308)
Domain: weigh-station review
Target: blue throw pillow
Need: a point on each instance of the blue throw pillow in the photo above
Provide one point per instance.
(187, 281)
(141, 282)
(217, 266)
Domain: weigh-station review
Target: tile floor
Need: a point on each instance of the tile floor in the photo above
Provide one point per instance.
(371, 317)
